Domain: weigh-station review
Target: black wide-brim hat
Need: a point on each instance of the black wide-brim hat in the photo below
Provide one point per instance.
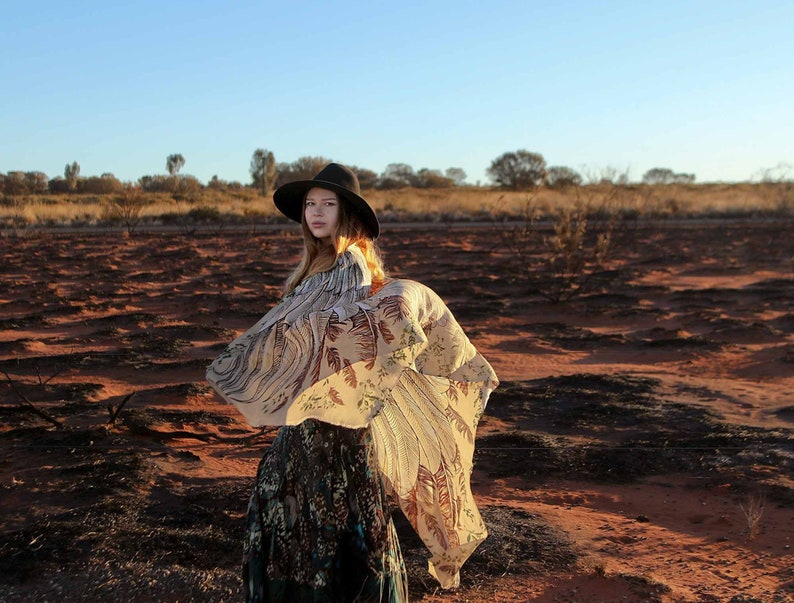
(343, 181)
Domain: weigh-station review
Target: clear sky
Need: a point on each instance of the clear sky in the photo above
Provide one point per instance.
(703, 87)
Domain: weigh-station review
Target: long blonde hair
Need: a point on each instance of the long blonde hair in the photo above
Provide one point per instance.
(319, 257)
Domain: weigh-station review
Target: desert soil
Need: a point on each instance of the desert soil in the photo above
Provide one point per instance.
(640, 447)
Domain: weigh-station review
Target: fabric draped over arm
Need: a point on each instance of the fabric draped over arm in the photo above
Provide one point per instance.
(396, 361)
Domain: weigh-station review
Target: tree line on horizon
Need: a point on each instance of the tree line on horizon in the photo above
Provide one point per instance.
(516, 170)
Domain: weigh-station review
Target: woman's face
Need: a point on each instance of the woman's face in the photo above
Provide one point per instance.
(321, 211)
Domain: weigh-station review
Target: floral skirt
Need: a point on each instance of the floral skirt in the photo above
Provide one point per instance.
(318, 525)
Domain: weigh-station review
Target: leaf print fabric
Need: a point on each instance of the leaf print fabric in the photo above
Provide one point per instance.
(318, 528)
(396, 361)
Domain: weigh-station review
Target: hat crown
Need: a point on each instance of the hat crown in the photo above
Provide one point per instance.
(340, 175)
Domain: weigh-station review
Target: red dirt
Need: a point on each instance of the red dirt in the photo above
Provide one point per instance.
(635, 426)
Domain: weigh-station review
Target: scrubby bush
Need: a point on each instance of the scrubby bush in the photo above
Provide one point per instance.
(666, 176)
(126, 207)
(777, 186)
(58, 186)
(397, 175)
(570, 261)
(426, 178)
(366, 178)
(561, 177)
(23, 183)
(36, 182)
(303, 168)
(170, 184)
(204, 214)
(106, 184)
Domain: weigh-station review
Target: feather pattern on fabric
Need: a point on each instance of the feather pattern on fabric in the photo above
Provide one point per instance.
(396, 361)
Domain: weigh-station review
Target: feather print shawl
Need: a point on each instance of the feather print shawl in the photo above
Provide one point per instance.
(396, 361)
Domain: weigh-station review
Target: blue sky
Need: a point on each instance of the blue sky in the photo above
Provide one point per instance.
(701, 87)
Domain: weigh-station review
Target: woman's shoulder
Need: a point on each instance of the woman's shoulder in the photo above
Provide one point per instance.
(404, 287)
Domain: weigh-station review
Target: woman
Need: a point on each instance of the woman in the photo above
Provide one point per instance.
(374, 382)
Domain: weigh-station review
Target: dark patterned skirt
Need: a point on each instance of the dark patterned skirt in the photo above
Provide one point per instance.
(318, 526)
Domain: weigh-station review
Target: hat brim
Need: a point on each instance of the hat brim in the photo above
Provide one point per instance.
(289, 198)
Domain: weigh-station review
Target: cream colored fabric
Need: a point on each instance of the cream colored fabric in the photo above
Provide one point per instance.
(396, 361)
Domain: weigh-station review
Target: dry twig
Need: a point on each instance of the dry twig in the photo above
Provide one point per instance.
(753, 513)
(24, 401)
(114, 412)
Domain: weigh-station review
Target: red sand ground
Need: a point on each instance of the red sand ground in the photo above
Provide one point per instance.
(705, 314)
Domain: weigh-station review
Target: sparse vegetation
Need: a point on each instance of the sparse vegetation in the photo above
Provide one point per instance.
(666, 176)
(777, 186)
(562, 177)
(576, 256)
(400, 193)
(243, 205)
(567, 262)
(26, 403)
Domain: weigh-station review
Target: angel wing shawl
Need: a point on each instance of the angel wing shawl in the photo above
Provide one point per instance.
(397, 361)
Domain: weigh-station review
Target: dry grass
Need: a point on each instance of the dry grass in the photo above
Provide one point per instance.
(674, 200)
(442, 205)
(753, 514)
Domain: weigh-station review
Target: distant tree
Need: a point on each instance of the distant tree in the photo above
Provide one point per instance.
(21, 183)
(71, 173)
(303, 168)
(666, 176)
(366, 178)
(57, 186)
(427, 178)
(658, 176)
(684, 178)
(174, 163)
(397, 175)
(36, 182)
(263, 170)
(457, 175)
(15, 183)
(284, 173)
(562, 177)
(518, 170)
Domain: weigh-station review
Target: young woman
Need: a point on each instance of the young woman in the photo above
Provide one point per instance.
(377, 387)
